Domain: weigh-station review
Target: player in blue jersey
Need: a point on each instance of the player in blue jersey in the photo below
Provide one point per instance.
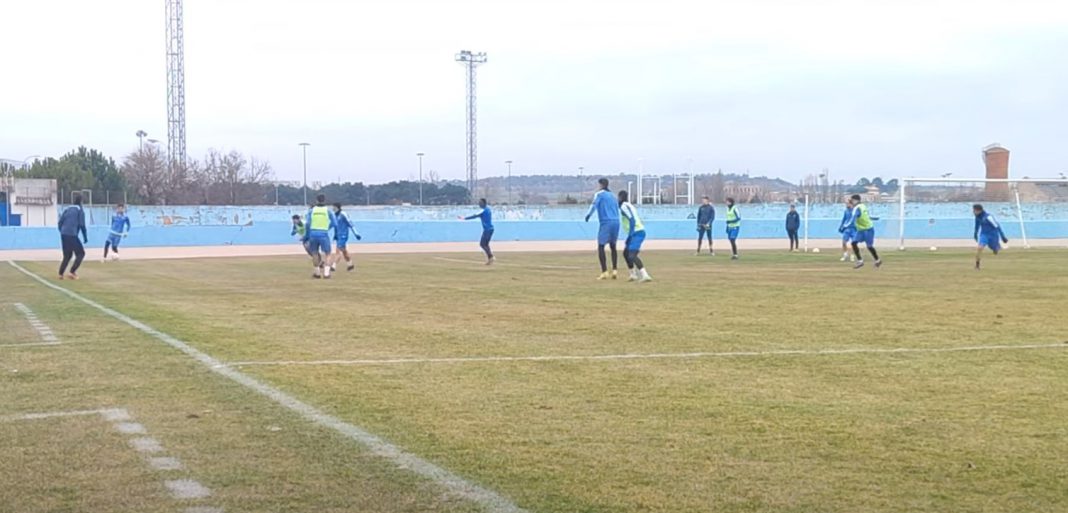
(848, 232)
(299, 231)
(486, 216)
(635, 230)
(120, 226)
(864, 224)
(341, 236)
(987, 233)
(607, 209)
(318, 222)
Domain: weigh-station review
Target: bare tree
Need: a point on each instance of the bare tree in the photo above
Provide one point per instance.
(146, 172)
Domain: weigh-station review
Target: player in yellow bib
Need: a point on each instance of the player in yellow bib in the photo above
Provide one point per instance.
(864, 226)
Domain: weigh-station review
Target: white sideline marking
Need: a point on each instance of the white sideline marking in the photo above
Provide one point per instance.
(51, 415)
(146, 444)
(46, 334)
(455, 484)
(498, 264)
(165, 463)
(202, 509)
(186, 489)
(652, 356)
(130, 428)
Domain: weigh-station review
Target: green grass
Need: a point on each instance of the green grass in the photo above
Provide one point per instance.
(906, 432)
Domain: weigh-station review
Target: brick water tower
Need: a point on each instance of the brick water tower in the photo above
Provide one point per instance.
(996, 159)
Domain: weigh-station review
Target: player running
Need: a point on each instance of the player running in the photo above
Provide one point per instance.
(607, 208)
(848, 232)
(987, 233)
(863, 223)
(299, 230)
(635, 230)
(319, 221)
(120, 227)
(341, 236)
(486, 215)
(734, 224)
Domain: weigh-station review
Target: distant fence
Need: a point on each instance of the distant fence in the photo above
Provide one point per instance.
(210, 226)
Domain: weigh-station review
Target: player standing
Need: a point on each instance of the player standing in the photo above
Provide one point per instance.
(848, 232)
(120, 226)
(861, 221)
(793, 224)
(71, 223)
(319, 221)
(987, 233)
(635, 230)
(706, 214)
(604, 203)
(734, 224)
(341, 235)
(486, 216)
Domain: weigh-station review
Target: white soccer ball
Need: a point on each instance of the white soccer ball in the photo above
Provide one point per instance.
(815, 250)
(934, 248)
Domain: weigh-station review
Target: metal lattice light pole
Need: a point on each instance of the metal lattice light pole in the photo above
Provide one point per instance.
(420, 155)
(471, 61)
(175, 83)
(304, 148)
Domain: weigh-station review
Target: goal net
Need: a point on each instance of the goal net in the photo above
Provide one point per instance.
(1029, 210)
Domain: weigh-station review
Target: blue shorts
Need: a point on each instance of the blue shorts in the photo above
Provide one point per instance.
(634, 242)
(317, 243)
(114, 240)
(732, 233)
(307, 247)
(608, 234)
(992, 241)
(865, 236)
(848, 235)
(342, 242)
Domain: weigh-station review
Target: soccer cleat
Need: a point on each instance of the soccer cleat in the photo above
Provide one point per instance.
(615, 274)
(645, 276)
(352, 267)
(859, 264)
(711, 253)
(977, 267)
(333, 267)
(316, 275)
(734, 257)
(491, 260)
(326, 271)
(72, 276)
(843, 259)
(603, 276)
(633, 276)
(61, 276)
(878, 263)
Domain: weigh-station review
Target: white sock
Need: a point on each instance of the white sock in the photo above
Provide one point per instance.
(645, 274)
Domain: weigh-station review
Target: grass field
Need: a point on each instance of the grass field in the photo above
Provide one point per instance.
(752, 386)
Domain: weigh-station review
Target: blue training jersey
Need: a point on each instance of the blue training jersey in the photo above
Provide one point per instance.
(120, 224)
(847, 221)
(988, 226)
(344, 225)
(606, 206)
(486, 216)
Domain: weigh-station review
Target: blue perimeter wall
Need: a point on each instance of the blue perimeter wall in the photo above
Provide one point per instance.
(211, 226)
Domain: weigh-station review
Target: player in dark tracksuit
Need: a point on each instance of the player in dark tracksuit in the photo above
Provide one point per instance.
(706, 214)
(793, 224)
(71, 223)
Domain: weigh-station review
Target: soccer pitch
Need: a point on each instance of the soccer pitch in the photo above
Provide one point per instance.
(779, 382)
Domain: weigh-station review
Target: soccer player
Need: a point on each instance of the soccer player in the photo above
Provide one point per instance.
(607, 208)
(706, 214)
(793, 224)
(734, 223)
(120, 226)
(987, 233)
(861, 221)
(848, 232)
(635, 230)
(341, 236)
(72, 222)
(299, 231)
(486, 215)
(319, 221)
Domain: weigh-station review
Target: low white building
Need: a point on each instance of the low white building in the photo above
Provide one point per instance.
(32, 200)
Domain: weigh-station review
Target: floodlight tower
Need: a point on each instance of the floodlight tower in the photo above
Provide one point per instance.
(175, 83)
(471, 60)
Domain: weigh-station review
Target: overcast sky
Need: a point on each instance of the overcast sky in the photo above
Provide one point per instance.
(778, 87)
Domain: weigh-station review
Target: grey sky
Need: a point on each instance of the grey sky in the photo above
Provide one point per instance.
(780, 88)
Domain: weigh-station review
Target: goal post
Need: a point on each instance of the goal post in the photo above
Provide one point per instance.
(940, 208)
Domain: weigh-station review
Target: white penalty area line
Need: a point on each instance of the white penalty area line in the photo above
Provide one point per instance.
(107, 413)
(658, 356)
(498, 264)
(458, 486)
(47, 336)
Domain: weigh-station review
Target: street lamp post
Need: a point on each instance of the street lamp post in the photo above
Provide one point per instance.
(509, 162)
(304, 147)
(420, 155)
